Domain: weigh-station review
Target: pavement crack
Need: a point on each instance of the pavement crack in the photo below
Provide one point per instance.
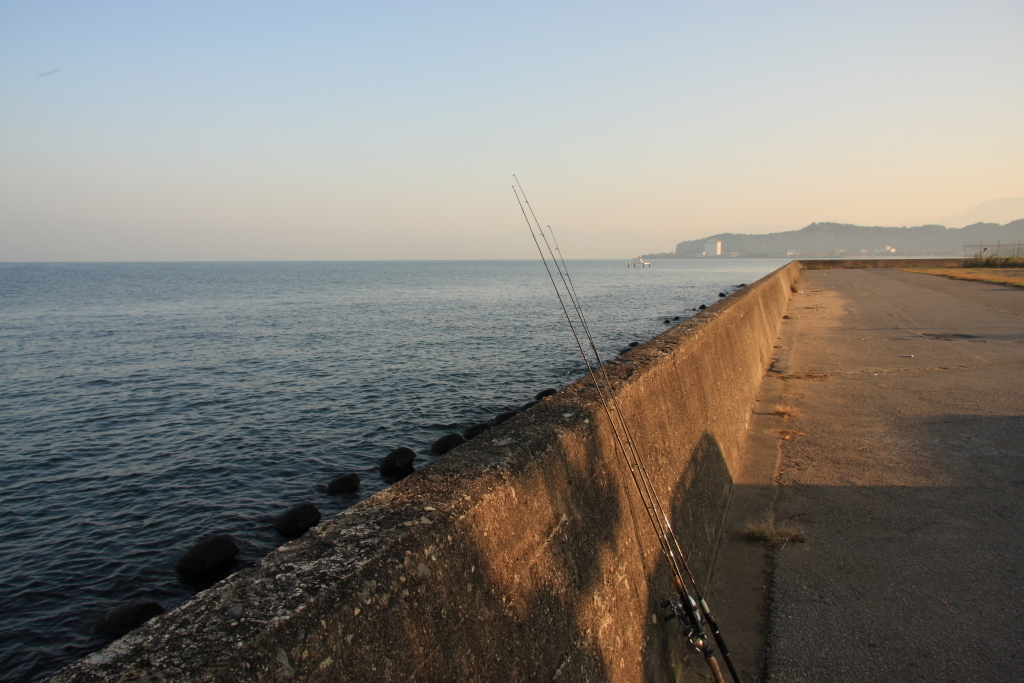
(934, 368)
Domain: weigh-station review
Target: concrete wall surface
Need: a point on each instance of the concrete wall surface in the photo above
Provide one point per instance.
(514, 557)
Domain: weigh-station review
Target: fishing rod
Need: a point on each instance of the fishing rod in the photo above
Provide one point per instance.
(691, 613)
(705, 609)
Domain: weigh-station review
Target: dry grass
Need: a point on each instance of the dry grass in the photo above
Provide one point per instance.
(766, 531)
(999, 276)
(797, 375)
(994, 262)
(785, 411)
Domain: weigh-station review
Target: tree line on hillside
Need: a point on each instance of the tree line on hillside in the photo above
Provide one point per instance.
(853, 241)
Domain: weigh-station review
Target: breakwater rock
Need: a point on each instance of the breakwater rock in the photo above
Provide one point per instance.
(346, 483)
(125, 617)
(397, 462)
(296, 520)
(208, 555)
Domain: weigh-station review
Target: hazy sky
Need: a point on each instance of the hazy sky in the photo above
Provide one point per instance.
(249, 130)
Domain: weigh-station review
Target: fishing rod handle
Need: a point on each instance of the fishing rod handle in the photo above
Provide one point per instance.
(716, 672)
(719, 640)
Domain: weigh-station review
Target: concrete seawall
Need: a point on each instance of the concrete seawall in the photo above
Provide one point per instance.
(513, 557)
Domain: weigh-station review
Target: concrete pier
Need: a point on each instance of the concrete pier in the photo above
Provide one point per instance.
(903, 462)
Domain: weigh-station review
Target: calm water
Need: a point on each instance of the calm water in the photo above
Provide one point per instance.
(144, 405)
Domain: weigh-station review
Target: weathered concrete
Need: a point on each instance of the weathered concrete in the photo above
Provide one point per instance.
(905, 468)
(513, 557)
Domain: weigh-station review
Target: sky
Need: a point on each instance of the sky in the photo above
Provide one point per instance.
(311, 131)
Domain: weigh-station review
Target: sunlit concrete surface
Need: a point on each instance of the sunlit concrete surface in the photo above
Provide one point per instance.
(904, 466)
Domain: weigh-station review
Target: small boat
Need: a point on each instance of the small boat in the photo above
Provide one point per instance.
(638, 263)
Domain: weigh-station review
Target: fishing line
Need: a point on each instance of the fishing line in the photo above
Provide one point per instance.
(628, 450)
(579, 310)
(648, 493)
(642, 478)
(563, 272)
(666, 548)
(685, 608)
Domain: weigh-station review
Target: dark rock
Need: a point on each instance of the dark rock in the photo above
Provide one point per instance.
(505, 417)
(476, 430)
(702, 307)
(446, 443)
(527, 406)
(208, 555)
(546, 393)
(742, 284)
(127, 616)
(722, 294)
(397, 461)
(676, 318)
(400, 474)
(633, 345)
(343, 484)
(296, 520)
(667, 321)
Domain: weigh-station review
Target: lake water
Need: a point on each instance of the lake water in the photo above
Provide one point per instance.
(145, 405)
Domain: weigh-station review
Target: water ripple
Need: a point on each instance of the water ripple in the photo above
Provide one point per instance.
(146, 405)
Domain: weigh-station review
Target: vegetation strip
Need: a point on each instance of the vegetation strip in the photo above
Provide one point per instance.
(1014, 277)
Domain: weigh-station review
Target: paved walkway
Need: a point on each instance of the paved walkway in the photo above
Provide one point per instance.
(905, 468)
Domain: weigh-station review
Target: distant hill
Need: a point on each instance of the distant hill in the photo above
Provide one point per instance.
(849, 241)
(992, 211)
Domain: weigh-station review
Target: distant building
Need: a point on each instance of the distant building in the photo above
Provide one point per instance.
(713, 248)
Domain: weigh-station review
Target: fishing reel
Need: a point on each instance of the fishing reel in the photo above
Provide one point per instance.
(689, 617)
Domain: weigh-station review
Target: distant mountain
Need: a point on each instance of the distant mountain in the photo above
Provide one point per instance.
(994, 211)
(757, 229)
(841, 240)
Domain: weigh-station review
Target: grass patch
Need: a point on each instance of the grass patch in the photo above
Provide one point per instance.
(999, 276)
(797, 375)
(767, 531)
(994, 262)
(835, 264)
(785, 411)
